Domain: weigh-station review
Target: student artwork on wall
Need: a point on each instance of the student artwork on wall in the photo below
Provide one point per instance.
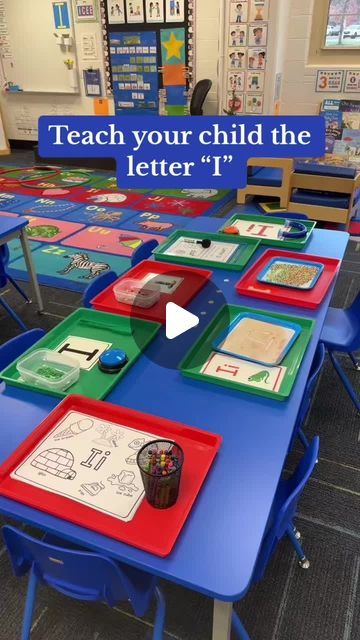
(259, 10)
(175, 10)
(154, 10)
(239, 12)
(258, 34)
(116, 11)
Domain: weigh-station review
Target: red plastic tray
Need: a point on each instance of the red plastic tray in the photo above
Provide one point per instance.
(248, 285)
(151, 530)
(194, 281)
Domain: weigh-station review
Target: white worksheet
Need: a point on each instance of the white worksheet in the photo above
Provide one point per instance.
(191, 248)
(252, 229)
(90, 461)
(249, 373)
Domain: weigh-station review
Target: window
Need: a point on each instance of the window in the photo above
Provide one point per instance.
(343, 24)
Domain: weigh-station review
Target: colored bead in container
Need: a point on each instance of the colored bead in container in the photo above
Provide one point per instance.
(160, 463)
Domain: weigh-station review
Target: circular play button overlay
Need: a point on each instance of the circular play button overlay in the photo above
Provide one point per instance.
(183, 323)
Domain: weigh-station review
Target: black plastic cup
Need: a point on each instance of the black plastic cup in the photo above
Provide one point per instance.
(161, 491)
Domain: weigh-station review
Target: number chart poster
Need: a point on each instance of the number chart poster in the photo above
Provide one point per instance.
(134, 70)
(90, 461)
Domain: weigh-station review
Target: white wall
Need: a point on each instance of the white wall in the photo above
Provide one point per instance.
(299, 96)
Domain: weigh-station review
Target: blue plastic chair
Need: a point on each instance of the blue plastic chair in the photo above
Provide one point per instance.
(307, 399)
(81, 575)
(281, 522)
(4, 279)
(96, 286)
(15, 347)
(341, 332)
(143, 252)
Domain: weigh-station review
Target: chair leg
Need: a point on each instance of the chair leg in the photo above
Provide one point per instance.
(18, 288)
(355, 362)
(303, 439)
(12, 313)
(29, 606)
(159, 623)
(239, 627)
(344, 379)
(303, 561)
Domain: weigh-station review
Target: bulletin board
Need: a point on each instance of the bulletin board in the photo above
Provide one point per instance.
(32, 57)
(149, 51)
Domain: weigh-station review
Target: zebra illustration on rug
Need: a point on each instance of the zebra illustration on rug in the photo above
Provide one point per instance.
(81, 261)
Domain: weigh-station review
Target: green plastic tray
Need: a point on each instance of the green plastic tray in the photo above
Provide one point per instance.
(247, 247)
(130, 334)
(194, 360)
(298, 243)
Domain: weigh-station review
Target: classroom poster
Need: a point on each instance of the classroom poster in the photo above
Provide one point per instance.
(329, 81)
(258, 34)
(238, 12)
(134, 11)
(61, 15)
(85, 10)
(175, 10)
(254, 104)
(238, 35)
(259, 10)
(235, 104)
(173, 46)
(134, 69)
(154, 10)
(352, 82)
(116, 11)
(257, 58)
(236, 82)
(237, 58)
(255, 81)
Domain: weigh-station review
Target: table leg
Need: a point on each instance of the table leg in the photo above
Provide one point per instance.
(222, 620)
(31, 269)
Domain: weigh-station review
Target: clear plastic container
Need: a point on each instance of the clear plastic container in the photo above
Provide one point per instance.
(133, 292)
(49, 370)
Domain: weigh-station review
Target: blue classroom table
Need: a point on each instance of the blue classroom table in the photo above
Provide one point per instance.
(217, 549)
(11, 228)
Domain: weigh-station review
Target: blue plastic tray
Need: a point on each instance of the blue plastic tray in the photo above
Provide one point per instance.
(217, 344)
(262, 277)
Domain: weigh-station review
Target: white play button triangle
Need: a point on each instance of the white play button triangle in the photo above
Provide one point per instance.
(178, 320)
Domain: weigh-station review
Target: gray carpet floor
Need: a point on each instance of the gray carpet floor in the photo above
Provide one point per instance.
(322, 603)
